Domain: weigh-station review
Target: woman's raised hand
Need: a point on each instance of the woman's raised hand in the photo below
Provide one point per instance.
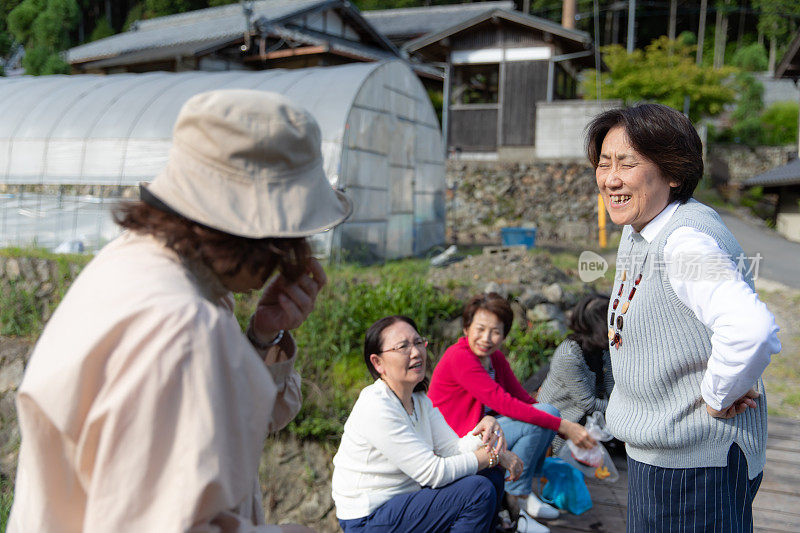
(577, 434)
(491, 433)
(285, 305)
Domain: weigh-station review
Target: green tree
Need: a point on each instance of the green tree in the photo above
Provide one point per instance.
(746, 122)
(102, 30)
(777, 22)
(665, 72)
(6, 39)
(43, 27)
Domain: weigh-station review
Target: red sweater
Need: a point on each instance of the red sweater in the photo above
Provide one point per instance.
(460, 387)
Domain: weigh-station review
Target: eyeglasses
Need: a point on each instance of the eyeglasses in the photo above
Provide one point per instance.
(405, 347)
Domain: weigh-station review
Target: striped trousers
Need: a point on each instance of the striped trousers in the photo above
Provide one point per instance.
(692, 500)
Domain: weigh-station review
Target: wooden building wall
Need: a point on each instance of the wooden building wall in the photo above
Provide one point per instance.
(474, 130)
(524, 84)
(474, 127)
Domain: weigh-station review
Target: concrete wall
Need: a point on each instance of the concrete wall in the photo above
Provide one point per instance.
(561, 126)
(788, 223)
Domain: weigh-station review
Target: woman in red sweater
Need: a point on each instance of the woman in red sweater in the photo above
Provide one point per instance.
(473, 379)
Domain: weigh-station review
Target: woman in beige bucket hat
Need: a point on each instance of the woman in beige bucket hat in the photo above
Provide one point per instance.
(143, 406)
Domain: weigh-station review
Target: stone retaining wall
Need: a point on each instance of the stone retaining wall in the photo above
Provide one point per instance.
(729, 165)
(559, 199)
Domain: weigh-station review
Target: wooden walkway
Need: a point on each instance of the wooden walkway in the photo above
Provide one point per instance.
(776, 508)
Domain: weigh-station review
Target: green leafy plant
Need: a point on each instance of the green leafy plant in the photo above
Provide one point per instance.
(531, 346)
(779, 124)
(664, 72)
(20, 312)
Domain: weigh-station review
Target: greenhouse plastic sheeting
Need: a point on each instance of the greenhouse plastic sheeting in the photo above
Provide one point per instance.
(67, 135)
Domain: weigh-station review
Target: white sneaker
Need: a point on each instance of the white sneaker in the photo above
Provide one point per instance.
(538, 509)
(526, 524)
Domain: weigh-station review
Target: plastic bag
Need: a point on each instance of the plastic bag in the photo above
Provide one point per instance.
(565, 487)
(596, 426)
(594, 462)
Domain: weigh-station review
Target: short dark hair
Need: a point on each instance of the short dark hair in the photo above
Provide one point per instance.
(373, 343)
(662, 135)
(226, 254)
(492, 302)
(588, 323)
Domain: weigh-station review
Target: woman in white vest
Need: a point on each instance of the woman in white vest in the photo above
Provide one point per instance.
(688, 336)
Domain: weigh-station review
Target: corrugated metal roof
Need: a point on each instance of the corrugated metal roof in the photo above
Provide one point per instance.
(788, 174)
(201, 27)
(416, 21)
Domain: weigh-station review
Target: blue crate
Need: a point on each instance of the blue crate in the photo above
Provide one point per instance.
(514, 236)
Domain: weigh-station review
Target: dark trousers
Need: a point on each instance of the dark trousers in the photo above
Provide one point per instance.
(467, 505)
(713, 499)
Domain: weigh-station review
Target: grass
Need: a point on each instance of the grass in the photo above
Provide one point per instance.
(331, 339)
(6, 499)
(20, 311)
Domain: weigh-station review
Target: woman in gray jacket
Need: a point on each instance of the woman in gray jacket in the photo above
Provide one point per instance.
(579, 381)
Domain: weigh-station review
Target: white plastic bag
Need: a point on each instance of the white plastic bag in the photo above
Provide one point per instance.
(594, 462)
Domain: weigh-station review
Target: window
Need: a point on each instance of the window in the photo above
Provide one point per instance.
(475, 84)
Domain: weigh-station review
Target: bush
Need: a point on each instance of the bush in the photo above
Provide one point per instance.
(779, 124)
(752, 58)
(330, 344)
(530, 347)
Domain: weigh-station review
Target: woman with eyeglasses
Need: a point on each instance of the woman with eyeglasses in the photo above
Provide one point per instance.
(400, 467)
(473, 379)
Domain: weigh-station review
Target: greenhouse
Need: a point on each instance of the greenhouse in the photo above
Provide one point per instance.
(72, 146)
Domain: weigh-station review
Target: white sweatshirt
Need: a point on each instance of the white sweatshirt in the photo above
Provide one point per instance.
(385, 452)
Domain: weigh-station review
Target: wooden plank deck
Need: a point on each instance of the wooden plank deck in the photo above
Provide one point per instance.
(776, 507)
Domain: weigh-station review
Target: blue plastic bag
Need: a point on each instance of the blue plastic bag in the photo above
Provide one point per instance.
(565, 487)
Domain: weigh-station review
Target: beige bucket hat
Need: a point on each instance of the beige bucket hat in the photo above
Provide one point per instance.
(248, 163)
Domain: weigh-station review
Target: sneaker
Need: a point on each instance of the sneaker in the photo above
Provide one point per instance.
(526, 524)
(538, 509)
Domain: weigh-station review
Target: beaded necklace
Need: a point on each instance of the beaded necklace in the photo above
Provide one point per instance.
(616, 322)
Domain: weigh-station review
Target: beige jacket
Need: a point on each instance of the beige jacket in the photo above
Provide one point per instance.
(144, 407)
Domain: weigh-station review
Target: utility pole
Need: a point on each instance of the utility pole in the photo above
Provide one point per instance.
(632, 25)
(568, 8)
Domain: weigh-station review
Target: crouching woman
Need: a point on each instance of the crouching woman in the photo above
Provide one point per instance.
(400, 467)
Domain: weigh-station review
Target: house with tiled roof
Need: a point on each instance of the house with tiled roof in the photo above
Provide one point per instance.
(500, 66)
(251, 35)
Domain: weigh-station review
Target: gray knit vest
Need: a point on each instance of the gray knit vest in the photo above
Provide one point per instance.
(656, 407)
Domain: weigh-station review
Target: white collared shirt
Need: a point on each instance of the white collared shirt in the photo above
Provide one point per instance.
(708, 282)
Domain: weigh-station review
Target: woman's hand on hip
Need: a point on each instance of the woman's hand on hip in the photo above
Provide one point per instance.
(491, 433)
(577, 434)
(285, 305)
(512, 463)
(738, 407)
